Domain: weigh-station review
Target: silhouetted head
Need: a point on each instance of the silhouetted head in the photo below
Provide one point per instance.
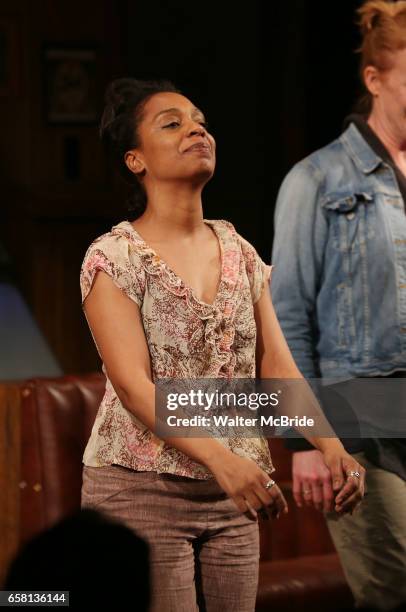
(99, 560)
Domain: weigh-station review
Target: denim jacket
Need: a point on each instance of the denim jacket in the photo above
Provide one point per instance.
(339, 255)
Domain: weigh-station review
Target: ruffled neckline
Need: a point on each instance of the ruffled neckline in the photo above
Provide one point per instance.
(156, 265)
(218, 316)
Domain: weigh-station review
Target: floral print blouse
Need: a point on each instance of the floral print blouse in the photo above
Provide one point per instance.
(187, 338)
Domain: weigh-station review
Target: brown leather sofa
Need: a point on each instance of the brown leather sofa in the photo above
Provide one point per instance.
(44, 427)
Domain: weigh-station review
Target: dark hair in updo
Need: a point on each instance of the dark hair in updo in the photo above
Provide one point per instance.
(125, 100)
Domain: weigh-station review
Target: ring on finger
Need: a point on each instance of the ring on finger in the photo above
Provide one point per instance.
(353, 473)
(268, 485)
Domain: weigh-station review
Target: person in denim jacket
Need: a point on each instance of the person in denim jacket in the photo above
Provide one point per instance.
(339, 290)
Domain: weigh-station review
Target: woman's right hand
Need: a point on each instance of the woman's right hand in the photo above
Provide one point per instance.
(244, 481)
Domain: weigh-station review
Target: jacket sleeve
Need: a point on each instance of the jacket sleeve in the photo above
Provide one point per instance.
(297, 255)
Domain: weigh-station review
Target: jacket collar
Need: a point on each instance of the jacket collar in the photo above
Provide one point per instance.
(363, 155)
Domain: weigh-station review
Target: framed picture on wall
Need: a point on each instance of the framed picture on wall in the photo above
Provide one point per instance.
(10, 68)
(71, 85)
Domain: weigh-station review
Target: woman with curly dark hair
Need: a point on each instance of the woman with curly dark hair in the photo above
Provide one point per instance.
(170, 294)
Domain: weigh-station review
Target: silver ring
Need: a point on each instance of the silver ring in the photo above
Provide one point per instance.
(352, 473)
(307, 491)
(269, 484)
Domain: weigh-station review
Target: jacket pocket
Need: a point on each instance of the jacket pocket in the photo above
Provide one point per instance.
(352, 219)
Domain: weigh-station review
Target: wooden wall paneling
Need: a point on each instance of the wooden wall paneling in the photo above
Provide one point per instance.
(9, 475)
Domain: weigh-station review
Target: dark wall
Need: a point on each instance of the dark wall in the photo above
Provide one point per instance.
(212, 55)
(49, 215)
(309, 64)
(275, 80)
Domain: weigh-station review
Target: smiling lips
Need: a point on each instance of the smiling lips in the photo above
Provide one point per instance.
(199, 146)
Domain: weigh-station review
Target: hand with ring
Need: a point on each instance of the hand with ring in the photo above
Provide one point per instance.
(276, 505)
(312, 484)
(348, 478)
(252, 490)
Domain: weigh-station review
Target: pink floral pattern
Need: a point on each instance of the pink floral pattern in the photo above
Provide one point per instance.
(187, 338)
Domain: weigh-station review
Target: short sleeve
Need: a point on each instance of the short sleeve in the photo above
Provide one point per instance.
(258, 272)
(115, 256)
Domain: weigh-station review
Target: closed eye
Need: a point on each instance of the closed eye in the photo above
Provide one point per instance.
(176, 123)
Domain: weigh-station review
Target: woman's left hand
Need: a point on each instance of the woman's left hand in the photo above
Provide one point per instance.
(348, 478)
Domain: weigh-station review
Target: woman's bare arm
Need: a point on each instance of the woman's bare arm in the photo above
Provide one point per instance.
(274, 360)
(116, 325)
(117, 329)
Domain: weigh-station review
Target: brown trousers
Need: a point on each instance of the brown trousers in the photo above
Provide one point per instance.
(204, 553)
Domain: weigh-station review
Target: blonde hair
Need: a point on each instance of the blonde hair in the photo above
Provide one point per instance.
(383, 30)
